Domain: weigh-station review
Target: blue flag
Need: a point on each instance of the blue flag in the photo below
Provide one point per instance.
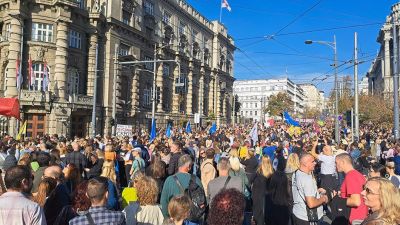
(290, 120)
(168, 132)
(213, 128)
(188, 128)
(153, 130)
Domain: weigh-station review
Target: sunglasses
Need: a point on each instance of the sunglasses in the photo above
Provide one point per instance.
(368, 191)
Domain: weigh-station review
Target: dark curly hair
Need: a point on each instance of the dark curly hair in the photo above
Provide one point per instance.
(227, 208)
(80, 201)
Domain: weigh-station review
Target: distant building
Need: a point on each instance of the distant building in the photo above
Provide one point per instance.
(363, 86)
(314, 98)
(253, 95)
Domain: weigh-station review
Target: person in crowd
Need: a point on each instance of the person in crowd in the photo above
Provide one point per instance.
(72, 177)
(237, 170)
(305, 192)
(138, 164)
(178, 209)
(244, 149)
(43, 159)
(328, 167)
(157, 170)
(395, 179)
(269, 150)
(171, 187)
(128, 160)
(79, 206)
(96, 166)
(382, 198)
(223, 181)
(15, 206)
(227, 208)
(165, 155)
(259, 188)
(292, 164)
(46, 187)
(109, 153)
(351, 188)
(377, 170)
(76, 157)
(278, 200)
(207, 169)
(145, 210)
(279, 162)
(176, 153)
(55, 158)
(251, 165)
(97, 192)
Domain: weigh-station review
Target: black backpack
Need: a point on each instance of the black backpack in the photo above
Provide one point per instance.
(197, 196)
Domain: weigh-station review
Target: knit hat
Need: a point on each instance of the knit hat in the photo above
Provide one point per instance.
(9, 162)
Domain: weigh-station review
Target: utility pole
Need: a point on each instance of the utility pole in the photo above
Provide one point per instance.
(337, 133)
(356, 120)
(395, 80)
(153, 106)
(95, 93)
(114, 102)
(352, 125)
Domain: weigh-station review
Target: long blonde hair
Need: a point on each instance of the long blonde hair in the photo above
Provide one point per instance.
(46, 186)
(108, 171)
(265, 167)
(389, 196)
(293, 162)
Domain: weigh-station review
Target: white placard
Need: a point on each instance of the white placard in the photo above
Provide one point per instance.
(124, 130)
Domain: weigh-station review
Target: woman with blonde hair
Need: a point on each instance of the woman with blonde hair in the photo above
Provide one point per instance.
(382, 198)
(292, 164)
(178, 210)
(260, 184)
(145, 210)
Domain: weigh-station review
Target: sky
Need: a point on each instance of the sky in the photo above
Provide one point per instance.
(270, 36)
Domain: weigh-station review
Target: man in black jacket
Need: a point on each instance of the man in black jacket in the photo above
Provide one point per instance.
(76, 157)
(176, 152)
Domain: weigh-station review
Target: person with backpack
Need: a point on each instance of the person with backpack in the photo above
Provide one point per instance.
(138, 164)
(184, 183)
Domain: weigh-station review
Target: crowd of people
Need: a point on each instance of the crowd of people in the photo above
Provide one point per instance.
(247, 174)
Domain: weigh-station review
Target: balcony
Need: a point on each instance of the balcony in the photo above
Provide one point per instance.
(80, 100)
(33, 98)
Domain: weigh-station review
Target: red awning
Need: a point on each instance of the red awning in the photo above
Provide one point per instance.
(9, 107)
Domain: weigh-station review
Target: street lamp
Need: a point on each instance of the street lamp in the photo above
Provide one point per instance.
(333, 46)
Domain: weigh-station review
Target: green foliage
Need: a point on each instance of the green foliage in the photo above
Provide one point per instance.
(279, 103)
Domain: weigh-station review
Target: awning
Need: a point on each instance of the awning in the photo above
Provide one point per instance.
(9, 107)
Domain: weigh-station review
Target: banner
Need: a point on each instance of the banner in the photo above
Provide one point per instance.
(9, 107)
(124, 130)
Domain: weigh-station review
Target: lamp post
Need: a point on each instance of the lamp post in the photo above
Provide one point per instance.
(333, 46)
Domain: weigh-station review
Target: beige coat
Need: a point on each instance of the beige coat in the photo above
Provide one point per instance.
(208, 173)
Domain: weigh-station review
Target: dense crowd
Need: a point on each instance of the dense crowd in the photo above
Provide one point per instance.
(232, 176)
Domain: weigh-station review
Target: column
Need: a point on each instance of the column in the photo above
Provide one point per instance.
(175, 97)
(217, 94)
(201, 92)
(11, 81)
(160, 84)
(135, 91)
(61, 59)
(189, 95)
(211, 99)
(92, 64)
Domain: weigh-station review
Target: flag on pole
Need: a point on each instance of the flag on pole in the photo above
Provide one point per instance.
(213, 128)
(45, 77)
(153, 130)
(22, 131)
(31, 78)
(254, 133)
(168, 132)
(19, 76)
(188, 127)
(225, 4)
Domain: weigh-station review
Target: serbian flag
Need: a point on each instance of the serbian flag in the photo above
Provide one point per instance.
(9, 107)
(19, 76)
(45, 77)
(31, 78)
(225, 4)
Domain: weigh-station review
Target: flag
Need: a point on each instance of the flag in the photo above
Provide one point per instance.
(254, 133)
(213, 128)
(153, 130)
(225, 4)
(290, 120)
(168, 132)
(22, 131)
(9, 107)
(188, 128)
(45, 77)
(31, 77)
(19, 77)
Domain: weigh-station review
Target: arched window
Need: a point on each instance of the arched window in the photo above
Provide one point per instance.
(38, 73)
(73, 81)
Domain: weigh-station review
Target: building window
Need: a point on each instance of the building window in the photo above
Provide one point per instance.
(147, 96)
(7, 32)
(75, 39)
(148, 65)
(251, 113)
(38, 71)
(166, 70)
(246, 113)
(182, 28)
(255, 105)
(42, 32)
(81, 4)
(167, 17)
(255, 113)
(126, 17)
(73, 82)
(149, 8)
(124, 50)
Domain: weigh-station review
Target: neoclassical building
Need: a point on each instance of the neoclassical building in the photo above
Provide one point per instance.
(380, 73)
(78, 42)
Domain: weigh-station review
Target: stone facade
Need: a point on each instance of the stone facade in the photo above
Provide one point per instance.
(68, 38)
(380, 74)
(313, 98)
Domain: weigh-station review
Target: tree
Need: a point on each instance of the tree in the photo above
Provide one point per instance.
(310, 113)
(375, 109)
(346, 100)
(279, 103)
